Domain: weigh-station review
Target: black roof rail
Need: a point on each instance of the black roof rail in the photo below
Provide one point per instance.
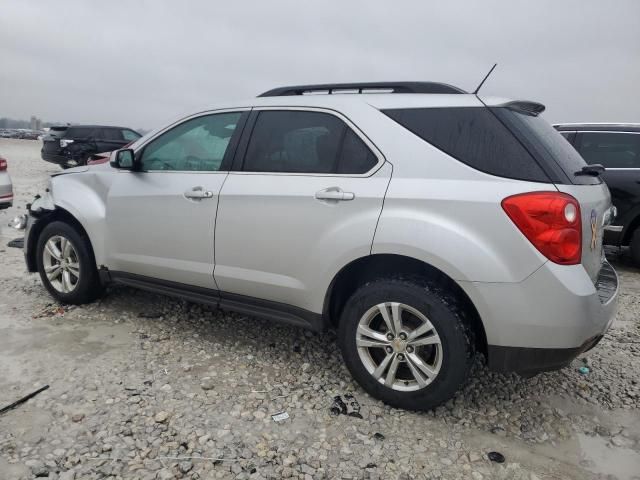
(395, 87)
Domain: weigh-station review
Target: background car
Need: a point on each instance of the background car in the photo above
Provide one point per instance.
(617, 148)
(72, 145)
(6, 187)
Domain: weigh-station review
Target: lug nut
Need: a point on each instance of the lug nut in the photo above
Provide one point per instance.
(403, 336)
(389, 349)
(390, 336)
(409, 349)
(400, 356)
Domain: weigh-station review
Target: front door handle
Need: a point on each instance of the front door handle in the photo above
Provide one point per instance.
(335, 194)
(198, 193)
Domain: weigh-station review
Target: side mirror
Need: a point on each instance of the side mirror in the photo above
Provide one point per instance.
(124, 159)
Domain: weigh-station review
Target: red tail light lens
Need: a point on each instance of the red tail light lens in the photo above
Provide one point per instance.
(3, 164)
(551, 222)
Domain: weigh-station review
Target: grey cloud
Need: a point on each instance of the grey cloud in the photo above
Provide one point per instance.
(140, 63)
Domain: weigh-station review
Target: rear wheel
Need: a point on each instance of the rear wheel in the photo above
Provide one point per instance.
(405, 342)
(66, 264)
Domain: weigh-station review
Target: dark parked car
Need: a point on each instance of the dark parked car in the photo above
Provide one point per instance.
(72, 145)
(617, 148)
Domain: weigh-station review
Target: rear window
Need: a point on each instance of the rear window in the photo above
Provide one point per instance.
(475, 136)
(610, 149)
(547, 145)
(57, 132)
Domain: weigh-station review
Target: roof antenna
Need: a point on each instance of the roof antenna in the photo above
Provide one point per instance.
(484, 79)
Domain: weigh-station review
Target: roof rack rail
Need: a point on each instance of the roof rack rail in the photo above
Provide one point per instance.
(369, 87)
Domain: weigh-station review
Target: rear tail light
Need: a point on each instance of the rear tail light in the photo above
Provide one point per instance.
(551, 222)
(3, 164)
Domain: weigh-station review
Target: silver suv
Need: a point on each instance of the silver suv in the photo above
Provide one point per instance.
(425, 224)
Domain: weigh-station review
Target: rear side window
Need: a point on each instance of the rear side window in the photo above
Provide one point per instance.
(112, 134)
(472, 135)
(293, 141)
(610, 149)
(82, 132)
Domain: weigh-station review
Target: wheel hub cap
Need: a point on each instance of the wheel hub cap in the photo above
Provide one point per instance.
(399, 346)
(61, 264)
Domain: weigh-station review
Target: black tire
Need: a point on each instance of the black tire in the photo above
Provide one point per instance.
(634, 247)
(88, 286)
(447, 317)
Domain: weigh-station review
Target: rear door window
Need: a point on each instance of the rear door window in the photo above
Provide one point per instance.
(474, 136)
(610, 149)
(82, 132)
(295, 141)
(112, 134)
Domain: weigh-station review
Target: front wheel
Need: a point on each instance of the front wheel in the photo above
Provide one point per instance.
(405, 342)
(66, 264)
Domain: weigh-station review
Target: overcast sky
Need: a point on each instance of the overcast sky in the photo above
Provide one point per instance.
(141, 63)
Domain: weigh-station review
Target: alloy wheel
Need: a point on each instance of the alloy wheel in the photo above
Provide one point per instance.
(61, 264)
(399, 346)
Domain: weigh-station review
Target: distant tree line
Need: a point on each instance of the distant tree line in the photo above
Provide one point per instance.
(12, 123)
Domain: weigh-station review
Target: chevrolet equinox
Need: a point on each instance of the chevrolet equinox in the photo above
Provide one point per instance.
(425, 224)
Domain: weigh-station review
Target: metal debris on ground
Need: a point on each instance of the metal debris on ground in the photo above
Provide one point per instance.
(16, 243)
(496, 457)
(22, 400)
(51, 310)
(349, 406)
(280, 417)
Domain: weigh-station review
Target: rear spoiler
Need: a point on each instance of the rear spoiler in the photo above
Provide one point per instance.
(523, 106)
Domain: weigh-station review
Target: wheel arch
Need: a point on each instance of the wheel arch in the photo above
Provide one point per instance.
(58, 214)
(357, 272)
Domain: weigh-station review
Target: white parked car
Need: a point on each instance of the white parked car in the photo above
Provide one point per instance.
(425, 224)
(6, 187)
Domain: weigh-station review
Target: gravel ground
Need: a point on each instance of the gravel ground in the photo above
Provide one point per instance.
(146, 387)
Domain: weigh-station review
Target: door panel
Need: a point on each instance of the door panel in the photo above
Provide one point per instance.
(161, 218)
(282, 237)
(156, 231)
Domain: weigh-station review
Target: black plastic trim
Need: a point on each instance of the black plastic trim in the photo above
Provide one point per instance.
(397, 87)
(529, 361)
(277, 311)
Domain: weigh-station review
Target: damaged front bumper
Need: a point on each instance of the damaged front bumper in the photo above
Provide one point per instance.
(41, 207)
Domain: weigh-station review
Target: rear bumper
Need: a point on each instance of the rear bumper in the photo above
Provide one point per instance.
(6, 193)
(535, 360)
(545, 321)
(54, 158)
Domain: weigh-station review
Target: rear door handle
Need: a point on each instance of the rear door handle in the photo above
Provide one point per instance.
(198, 193)
(335, 194)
